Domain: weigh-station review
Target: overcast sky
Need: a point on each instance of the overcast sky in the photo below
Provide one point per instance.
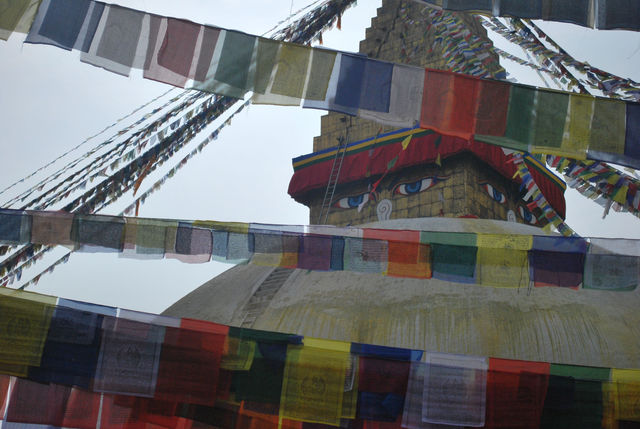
(50, 102)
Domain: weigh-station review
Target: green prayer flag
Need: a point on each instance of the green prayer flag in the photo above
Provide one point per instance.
(520, 116)
(550, 118)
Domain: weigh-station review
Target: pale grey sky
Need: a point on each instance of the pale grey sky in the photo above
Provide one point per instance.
(50, 102)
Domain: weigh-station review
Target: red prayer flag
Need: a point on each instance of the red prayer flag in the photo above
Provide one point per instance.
(493, 105)
(38, 403)
(189, 366)
(516, 392)
(82, 410)
(449, 103)
(383, 375)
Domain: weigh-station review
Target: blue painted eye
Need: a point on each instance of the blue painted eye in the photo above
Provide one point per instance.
(527, 216)
(352, 202)
(421, 185)
(494, 193)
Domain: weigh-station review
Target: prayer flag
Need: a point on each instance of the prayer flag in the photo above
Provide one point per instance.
(574, 397)
(549, 121)
(24, 323)
(620, 14)
(322, 62)
(313, 384)
(97, 233)
(315, 252)
(129, 357)
(363, 83)
(516, 392)
(82, 409)
(365, 255)
(15, 227)
(575, 12)
(607, 140)
(58, 23)
(16, 15)
(263, 382)
(291, 73)
(449, 103)
(189, 365)
(267, 53)
(493, 103)
(626, 394)
(612, 265)
(577, 129)
(232, 69)
(171, 53)
(117, 45)
(454, 390)
(382, 386)
(51, 228)
(502, 260)
(557, 261)
(36, 403)
(70, 353)
(454, 255)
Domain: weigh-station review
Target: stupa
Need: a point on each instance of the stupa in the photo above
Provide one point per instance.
(361, 173)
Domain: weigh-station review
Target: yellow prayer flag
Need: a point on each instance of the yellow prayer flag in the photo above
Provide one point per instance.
(313, 384)
(24, 324)
(577, 129)
(406, 141)
(626, 393)
(505, 241)
(502, 267)
(291, 72)
(608, 126)
(620, 195)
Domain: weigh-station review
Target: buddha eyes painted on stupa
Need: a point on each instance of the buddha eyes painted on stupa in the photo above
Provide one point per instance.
(494, 193)
(421, 185)
(527, 216)
(352, 201)
(401, 189)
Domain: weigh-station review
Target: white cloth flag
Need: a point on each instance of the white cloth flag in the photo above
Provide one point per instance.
(455, 390)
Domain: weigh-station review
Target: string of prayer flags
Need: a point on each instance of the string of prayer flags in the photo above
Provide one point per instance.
(522, 118)
(498, 260)
(181, 373)
(593, 179)
(600, 14)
